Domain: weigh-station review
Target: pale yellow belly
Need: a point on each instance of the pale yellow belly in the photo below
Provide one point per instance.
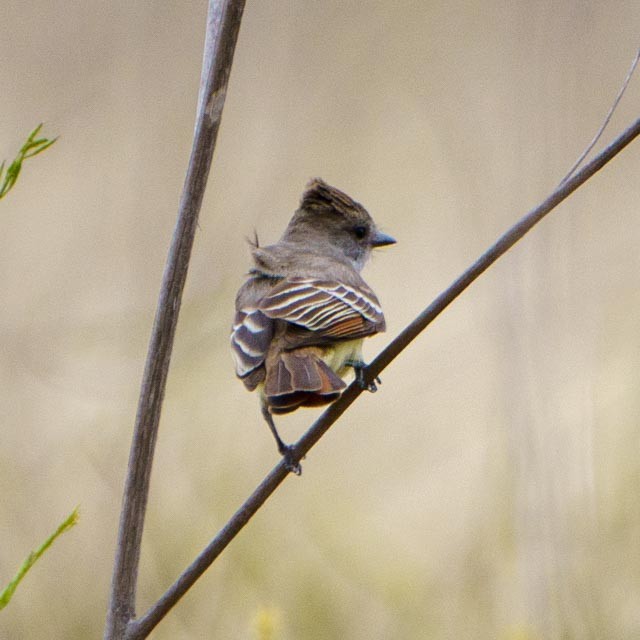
(337, 357)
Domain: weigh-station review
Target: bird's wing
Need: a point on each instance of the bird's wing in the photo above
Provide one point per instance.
(327, 308)
(250, 338)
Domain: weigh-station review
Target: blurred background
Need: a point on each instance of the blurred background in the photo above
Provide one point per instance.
(491, 488)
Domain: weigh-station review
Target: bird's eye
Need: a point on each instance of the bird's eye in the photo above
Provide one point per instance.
(360, 232)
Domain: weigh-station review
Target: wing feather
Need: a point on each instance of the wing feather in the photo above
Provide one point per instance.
(250, 338)
(326, 307)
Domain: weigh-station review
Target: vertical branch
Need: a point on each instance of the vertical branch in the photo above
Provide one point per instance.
(223, 24)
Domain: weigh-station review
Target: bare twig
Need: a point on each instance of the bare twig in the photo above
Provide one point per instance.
(600, 131)
(143, 626)
(223, 24)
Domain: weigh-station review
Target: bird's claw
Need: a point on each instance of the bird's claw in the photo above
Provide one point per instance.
(371, 387)
(290, 462)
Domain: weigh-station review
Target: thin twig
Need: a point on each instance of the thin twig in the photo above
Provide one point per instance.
(223, 24)
(142, 627)
(600, 131)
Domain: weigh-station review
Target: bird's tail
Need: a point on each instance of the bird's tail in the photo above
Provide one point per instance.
(300, 378)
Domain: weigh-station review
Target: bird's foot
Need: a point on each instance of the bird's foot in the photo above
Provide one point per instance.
(289, 457)
(359, 369)
(287, 451)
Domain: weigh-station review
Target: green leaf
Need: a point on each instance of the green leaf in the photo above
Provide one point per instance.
(42, 144)
(32, 147)
(31, 559)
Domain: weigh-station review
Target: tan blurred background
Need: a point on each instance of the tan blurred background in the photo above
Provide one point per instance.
(491, 488)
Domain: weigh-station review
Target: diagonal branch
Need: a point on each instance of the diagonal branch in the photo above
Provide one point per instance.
(607, 119)
(143, 626)
(223, 24)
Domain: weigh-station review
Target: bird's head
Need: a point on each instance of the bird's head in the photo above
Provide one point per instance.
(331, 222)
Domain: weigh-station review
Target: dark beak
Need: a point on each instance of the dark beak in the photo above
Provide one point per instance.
(381, 239)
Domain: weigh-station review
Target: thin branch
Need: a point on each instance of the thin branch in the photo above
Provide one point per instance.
(600, 131)
(223, 24)
(142, 627)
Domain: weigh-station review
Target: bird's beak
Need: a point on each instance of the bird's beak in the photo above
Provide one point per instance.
(381, 239)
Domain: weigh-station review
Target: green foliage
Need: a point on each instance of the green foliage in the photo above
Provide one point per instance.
(30, 560)
(32, 147)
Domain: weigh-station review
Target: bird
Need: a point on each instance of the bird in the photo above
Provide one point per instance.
(304, 309)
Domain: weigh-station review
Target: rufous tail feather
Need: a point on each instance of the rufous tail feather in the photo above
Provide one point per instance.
(300, 378)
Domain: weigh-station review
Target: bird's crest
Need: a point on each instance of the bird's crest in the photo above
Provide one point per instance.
(319, 195)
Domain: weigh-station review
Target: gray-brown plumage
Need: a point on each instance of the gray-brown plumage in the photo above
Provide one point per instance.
(304, 310)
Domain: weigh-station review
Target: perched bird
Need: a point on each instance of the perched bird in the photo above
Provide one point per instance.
(304, 310)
